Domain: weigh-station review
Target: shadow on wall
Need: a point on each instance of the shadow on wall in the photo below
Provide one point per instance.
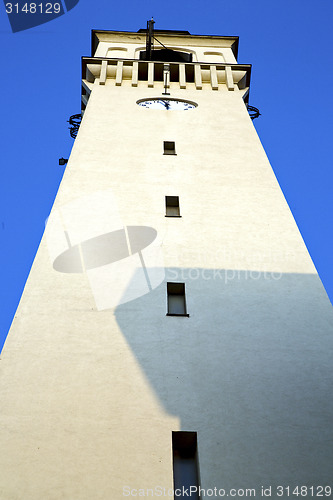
(249, 369)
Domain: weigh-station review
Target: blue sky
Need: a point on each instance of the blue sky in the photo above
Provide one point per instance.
(289, 44)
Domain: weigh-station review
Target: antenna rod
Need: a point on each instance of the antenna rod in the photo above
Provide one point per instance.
(149, 39)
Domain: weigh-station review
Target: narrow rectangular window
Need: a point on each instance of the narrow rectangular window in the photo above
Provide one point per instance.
(176, 299)
(169, 148)
(185, 465)
(172, 206)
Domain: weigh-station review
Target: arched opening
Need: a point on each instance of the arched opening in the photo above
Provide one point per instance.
(214, 57)
(167, 55)
(116, 52)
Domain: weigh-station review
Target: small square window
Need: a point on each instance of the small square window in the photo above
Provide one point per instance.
(172, 206)
(176, 299)
(169, 148)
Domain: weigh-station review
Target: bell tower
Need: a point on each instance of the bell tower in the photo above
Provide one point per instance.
(173, 333)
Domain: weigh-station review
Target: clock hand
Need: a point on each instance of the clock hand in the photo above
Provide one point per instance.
(166, 104)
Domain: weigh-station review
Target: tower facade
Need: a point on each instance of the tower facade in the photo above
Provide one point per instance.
(173, 332)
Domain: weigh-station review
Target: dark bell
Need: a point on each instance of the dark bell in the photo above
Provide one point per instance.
(62, 161)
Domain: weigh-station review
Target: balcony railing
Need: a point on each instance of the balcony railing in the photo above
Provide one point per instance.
(151, 72)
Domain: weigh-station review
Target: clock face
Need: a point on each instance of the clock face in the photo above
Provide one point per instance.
(168, 104)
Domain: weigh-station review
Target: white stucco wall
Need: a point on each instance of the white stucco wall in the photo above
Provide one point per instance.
(90, 397)
(133, 43)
